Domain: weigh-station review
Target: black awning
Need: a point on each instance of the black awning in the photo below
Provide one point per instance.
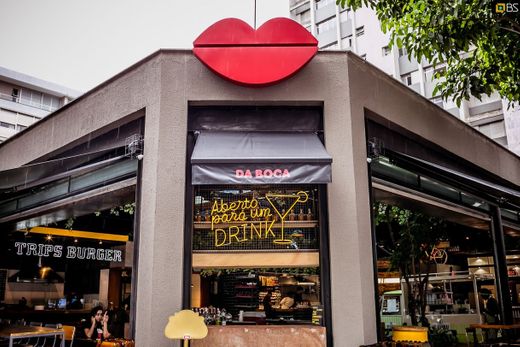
(259, 158)
(501, 194)
(27, 176)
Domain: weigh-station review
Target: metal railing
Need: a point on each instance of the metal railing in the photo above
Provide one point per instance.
(30, 103)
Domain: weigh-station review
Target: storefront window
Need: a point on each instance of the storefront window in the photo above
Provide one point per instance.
(256, 253)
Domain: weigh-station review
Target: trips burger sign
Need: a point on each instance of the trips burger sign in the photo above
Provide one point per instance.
(257, 58)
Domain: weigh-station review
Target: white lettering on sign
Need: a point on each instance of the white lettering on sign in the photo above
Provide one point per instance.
(72, 252)
(259, 173)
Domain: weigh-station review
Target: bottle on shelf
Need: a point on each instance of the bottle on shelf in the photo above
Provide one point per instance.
(292, 215)
(301, 215)
(207, 216)
(309, 215)
(198, 217)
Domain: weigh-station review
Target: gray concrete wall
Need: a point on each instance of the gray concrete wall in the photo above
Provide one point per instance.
(323, 81)
(381, 94)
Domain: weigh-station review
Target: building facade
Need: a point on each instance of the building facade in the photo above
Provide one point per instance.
(210, 164)
(359, 31)
(25, 100)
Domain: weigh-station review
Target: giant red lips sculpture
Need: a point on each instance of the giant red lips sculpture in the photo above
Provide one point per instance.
(262, 57)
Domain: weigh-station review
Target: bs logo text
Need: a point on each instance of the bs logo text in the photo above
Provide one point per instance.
(507, 7)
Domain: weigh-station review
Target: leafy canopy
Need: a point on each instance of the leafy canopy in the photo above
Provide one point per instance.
(479, 46)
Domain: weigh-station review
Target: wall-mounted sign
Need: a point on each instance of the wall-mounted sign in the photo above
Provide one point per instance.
(260, 173)
(258, 220)
(70, 252)
(262, 57)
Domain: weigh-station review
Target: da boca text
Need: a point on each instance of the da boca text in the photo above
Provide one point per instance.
(262, 173)
(71, 252)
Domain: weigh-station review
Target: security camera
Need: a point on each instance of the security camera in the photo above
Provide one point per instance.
(369, 160)
(140, 157)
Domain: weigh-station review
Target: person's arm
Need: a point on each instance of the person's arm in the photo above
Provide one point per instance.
(90, 331)
(106, 333)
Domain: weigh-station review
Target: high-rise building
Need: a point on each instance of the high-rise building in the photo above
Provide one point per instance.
(359, 31)
(25, 99)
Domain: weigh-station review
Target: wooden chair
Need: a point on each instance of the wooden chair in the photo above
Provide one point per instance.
(69, 332)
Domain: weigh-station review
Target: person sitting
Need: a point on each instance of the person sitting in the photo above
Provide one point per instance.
(97, 328)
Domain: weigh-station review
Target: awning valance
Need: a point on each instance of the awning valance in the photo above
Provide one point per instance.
(28, 176)
(500, 193)
(259, 158)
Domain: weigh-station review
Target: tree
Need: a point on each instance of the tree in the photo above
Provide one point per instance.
(412, 240)
(477, 40)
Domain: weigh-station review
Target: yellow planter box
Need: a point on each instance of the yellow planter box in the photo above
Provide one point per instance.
(415, 334)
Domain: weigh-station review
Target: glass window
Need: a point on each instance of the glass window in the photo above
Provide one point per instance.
(304, 18)
(7, 125)
(360, 31)
(50, 102)
(323, 3)
(346, 42)
(329, 24)
(343, 16)
(256, 250)
(437, 101)
(493, 130)
(407, 79)
(330, 47)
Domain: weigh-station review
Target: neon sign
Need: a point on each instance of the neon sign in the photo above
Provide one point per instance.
(71, 252)
(257, 221)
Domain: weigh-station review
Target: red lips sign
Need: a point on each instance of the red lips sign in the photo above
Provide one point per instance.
(262, 57)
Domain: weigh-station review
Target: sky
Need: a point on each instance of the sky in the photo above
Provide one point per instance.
(81, 43)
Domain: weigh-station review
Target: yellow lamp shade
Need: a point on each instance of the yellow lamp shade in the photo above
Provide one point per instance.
(415, 334)
(186, 325)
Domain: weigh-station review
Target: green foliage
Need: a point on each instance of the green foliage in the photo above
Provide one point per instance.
(69, 223)
(441, 337)
(479, 47)
(128, 208)
(412, 235)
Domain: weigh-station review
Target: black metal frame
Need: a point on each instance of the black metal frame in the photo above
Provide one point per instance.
(431, 152)
(322, 195)
(188, 225)
(374, 238)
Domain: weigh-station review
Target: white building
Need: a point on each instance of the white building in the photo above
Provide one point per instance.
(359, 31)
(25, 99)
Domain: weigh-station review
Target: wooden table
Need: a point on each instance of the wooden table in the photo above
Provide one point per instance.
(14, 332)
(504, 327)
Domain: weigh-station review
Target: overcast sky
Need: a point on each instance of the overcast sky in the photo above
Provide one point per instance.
(81, 43)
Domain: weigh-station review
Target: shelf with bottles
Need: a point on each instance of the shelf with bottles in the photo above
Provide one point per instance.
(439, 298)
(239, 291)
(287, 224)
